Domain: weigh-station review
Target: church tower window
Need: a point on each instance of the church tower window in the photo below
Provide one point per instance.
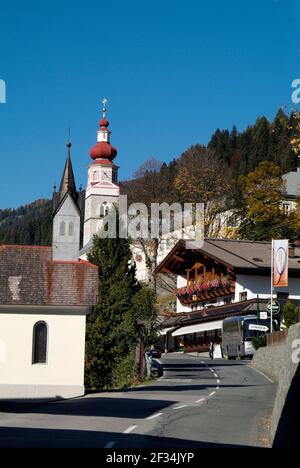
(104, 209)
(40, 338)
(62, 228)
(71, 229)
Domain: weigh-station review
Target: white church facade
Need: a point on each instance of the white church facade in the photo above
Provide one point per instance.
(46, 294)
(43, 309)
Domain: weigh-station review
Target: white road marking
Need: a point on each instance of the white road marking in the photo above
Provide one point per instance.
(154, 416)
(129, 429)
(199, 401)
(212, 393)
(218, 381)
(179, 407)
(110, 444)
(178, 380)
(217, 388)
(212, 370)
(216, 375)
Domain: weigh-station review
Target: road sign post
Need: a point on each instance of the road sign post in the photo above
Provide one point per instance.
(273, 307)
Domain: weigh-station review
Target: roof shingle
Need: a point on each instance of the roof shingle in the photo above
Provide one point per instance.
(28, 276)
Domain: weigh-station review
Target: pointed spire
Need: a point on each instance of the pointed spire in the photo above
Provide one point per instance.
(67, 184)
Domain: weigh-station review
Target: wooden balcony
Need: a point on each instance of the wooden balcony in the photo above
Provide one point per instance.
(206, 291)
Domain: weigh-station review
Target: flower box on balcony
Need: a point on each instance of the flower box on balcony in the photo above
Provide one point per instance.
(206, 290)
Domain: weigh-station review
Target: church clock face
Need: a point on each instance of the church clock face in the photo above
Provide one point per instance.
(105, 175)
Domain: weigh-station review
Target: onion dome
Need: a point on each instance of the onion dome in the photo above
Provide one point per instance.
(103, 149)
(104, 122)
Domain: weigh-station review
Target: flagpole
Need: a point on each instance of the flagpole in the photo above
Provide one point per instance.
(272, 285)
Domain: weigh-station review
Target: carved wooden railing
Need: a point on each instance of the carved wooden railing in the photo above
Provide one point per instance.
(206, 290)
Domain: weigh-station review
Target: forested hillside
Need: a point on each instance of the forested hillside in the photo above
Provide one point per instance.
(212, 172)
(264, 141)
(29, 224)
(240, 152)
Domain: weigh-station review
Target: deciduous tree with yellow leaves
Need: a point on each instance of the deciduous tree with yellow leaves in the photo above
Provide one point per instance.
(262, 214)
(203, 178)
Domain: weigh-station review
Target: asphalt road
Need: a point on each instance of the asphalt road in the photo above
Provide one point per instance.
(195, 404)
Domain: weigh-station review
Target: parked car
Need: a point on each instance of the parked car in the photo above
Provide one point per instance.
(155, 353)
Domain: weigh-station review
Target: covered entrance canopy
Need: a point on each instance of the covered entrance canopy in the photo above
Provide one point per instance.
(200, 327)
(164, 331)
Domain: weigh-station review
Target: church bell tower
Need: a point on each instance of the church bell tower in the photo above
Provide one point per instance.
(102, 189)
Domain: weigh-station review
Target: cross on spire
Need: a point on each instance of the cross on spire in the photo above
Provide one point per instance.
(104, 102)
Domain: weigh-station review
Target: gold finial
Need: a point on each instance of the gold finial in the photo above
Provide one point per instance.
(104, 102)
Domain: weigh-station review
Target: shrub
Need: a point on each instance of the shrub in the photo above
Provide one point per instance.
(123, 374)
(259, 341)
(290, 314)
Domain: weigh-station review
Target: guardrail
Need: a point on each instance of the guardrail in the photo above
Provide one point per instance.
(277, 337)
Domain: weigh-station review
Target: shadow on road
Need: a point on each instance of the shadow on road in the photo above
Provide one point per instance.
(13, 437)
(93, 407)
(181, 387)
(218, 363)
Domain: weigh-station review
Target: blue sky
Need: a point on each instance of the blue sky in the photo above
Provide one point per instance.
(172, 71)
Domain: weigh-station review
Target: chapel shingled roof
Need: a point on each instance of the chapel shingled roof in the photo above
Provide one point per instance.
(29, 276)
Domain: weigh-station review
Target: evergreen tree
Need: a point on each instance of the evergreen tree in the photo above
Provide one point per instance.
(280, 150)
(111, 333)
(145, 310)
(260, 143)
(294, 138)
(114, 326)
(222, 144)
(30, 224)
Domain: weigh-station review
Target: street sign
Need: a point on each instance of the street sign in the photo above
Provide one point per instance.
(262, 328)
(275, 307)
(263, 315)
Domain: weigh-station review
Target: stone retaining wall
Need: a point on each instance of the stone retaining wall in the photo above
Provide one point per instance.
(281, 363)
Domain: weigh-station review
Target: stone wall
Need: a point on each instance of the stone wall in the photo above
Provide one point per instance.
(281, 363)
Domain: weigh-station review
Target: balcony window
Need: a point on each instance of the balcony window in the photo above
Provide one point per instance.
(243, 296)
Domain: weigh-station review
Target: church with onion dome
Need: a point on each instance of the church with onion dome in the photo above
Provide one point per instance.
(102, 190)
(78, 215)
